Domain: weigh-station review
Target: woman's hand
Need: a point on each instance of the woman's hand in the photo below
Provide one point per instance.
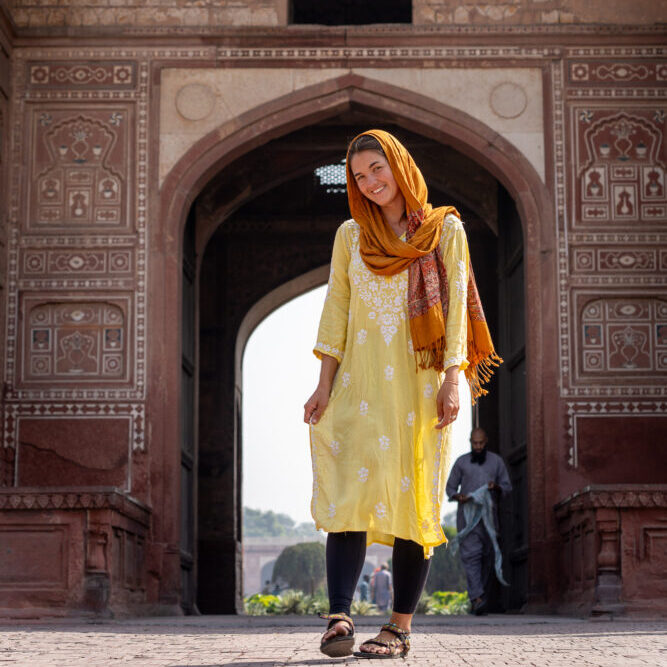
(447, 403)
(316, 404)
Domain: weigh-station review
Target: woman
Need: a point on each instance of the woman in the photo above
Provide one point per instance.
(401, 319)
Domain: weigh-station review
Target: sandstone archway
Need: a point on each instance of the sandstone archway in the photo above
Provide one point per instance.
(424, 116)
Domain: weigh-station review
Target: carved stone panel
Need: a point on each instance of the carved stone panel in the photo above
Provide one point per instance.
(619, 177)
(68, 75)
(67, 341)
(622, 337)
(620, 73)
(38, 263)
(81, 169)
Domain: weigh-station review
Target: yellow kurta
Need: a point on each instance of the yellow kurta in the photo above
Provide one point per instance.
(379, 464)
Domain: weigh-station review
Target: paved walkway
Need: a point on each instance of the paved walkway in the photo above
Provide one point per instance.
(209, 641)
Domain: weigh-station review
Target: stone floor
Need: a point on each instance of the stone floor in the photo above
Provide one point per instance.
(251, 641)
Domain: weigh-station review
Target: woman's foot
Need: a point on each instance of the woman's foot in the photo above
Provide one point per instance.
(392, 641)
(338, 640)
(338, 629)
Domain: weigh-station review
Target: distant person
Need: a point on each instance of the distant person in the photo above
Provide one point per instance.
(384, 591)
(267, 587)
(365, 588)
(402, 317)
(470, 473)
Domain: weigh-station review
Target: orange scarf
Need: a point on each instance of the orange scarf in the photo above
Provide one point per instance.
(386, 254)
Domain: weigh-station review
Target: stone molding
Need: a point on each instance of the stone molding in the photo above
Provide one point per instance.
(349, 34)
(83, 498)
(613, 496)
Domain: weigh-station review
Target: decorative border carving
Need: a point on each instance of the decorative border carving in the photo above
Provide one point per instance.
(85, 498)
(106, 74)
(613, 496)
(638, 73)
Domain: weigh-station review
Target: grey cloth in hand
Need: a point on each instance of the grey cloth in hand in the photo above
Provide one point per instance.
(480, 508)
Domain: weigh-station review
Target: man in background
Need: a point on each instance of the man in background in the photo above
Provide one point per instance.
(471, 471)
(384, 590)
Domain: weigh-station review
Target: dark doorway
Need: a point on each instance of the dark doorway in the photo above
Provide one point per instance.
(350, 12)
(266, 219)
(499, 266)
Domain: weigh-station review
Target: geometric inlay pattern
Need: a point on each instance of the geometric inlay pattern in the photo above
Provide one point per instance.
(623, 336)
(82, 263)
(75, 341)
(645, 72)
(65, 75)
(79, 169)
(620, 167)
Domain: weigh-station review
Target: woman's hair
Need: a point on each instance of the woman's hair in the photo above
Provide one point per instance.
(366, 142)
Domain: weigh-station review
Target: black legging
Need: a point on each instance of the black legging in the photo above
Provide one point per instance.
(346, 553)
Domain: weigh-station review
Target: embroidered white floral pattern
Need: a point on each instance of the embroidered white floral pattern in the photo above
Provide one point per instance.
(461, 280)
(330, 350)
(369, 480)
(383, 297)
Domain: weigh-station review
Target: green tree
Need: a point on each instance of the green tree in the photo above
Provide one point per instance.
(302, 566)
(446, 573)
(269, 524)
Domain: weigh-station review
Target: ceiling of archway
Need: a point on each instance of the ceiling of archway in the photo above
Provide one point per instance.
(275, 187)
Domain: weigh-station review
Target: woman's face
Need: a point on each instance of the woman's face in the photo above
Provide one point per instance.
(374, 177)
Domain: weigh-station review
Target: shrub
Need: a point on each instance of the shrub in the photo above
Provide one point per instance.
(259, 604)
(446, 603)
(364, 608)
(302, 566)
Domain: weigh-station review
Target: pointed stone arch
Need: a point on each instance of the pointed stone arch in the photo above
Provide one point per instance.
(420, 114)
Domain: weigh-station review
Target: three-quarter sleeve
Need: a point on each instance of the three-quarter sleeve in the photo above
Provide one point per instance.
(332, 331)
(454, 248)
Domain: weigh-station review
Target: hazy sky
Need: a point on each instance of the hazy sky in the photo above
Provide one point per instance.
(280, 373)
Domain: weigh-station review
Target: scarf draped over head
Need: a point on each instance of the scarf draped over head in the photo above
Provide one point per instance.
(384, 253)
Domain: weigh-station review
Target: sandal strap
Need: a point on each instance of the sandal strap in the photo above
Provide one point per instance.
(334, 618)
(403, 635)
(394, 645)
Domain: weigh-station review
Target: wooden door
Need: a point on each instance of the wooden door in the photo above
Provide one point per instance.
(511, 391)
(188, 449)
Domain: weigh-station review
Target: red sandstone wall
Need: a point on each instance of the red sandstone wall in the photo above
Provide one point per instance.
(495, 12)
(32, 13)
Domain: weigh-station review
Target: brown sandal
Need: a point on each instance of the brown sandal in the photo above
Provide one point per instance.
(339, 645)
(398, 647)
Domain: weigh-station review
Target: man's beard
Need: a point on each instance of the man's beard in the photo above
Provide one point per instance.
(478, 457)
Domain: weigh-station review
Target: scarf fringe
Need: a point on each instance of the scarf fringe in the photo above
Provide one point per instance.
(479, 372)
(431, 356)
